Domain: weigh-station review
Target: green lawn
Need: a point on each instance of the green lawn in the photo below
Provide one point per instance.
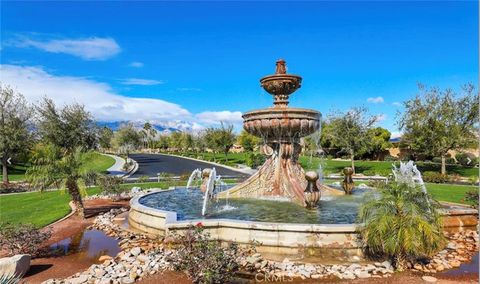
(97, 162)
(92, 161)
(383, 168)
(449, 192)
(43, 208)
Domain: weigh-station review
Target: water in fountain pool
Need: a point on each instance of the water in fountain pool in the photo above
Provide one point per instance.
(188, 205)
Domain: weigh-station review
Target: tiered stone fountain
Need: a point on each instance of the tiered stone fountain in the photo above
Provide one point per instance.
(281, 128)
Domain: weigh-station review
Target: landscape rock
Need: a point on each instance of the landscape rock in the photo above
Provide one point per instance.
(429, 279)
(16, 265)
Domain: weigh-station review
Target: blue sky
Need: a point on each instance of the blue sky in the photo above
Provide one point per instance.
(201, 62)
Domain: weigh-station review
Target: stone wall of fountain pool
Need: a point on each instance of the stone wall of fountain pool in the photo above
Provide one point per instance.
(280, 229)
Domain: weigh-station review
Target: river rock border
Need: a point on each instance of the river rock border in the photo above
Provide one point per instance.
(144, 255)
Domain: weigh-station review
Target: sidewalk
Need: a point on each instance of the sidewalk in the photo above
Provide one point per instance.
(117, 168)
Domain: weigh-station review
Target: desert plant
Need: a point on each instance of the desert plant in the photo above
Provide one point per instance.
(143, 179)
(22, 238)
(434, 177)
(53, 167)
(91, 177)
(402, 224)
(205, 260)
(110, 184)
(466, 159)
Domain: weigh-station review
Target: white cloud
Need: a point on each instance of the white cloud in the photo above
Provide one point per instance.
(142, 82)
(397, 104)
(381, 117)
(215, 117)
(99, 98)
(376, 100)
(93, 48)
(136, 64)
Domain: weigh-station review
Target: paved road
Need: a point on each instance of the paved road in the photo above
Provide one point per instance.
(151, 164)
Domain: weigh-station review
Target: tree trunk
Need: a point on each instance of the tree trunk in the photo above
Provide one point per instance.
(444, 167)
(5, 170)
(76, 197)
(352, 158)
(226, 157)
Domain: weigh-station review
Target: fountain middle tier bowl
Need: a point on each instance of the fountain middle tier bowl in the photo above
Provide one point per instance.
(278, 123)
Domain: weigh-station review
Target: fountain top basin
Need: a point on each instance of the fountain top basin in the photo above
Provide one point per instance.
(281, 122)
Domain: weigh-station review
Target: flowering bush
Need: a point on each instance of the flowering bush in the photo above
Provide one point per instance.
(205, 260)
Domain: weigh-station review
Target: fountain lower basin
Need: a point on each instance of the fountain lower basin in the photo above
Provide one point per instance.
(278, 236)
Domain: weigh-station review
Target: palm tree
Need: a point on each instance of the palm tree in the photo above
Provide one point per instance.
(53, 168)
(402, 224)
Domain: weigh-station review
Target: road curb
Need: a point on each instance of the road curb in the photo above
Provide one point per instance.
(208, 162)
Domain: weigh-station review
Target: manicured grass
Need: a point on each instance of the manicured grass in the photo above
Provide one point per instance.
(92, 161)
(15, 173)
(43, 208)
(38, 208)
(97, 162)
(383, 168)
(449, 192)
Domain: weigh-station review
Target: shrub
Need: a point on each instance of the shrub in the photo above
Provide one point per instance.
(91, 178)
(143, 179)
(22, 238)
(127, 165)
(447, 160)
(472, 197)
(184, 176)
(466, 160)
(403, 224)
(110, 184)
(167, 178)
(255, 159)
(434, 177)
(205, 260)
(390, 158)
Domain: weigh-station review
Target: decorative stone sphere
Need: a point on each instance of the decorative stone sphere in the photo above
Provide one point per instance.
(311, 176)
(206, 172)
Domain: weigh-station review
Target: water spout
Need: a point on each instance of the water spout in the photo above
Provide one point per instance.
(209, 192)
(196, 175)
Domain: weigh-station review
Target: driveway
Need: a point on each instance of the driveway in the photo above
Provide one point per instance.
(152, 164)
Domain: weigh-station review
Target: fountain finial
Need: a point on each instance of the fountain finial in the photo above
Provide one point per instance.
(281, 67)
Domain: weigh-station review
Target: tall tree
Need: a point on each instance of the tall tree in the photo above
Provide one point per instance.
(248, 141)
(224, 139)
(65, 134)
(105, 137)
(176, 141)
(349, 131)
(378, 141)
(187, 141)
(436, 121)
(145, 133)
(163, 142)
(127, 138)
(15, 116)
